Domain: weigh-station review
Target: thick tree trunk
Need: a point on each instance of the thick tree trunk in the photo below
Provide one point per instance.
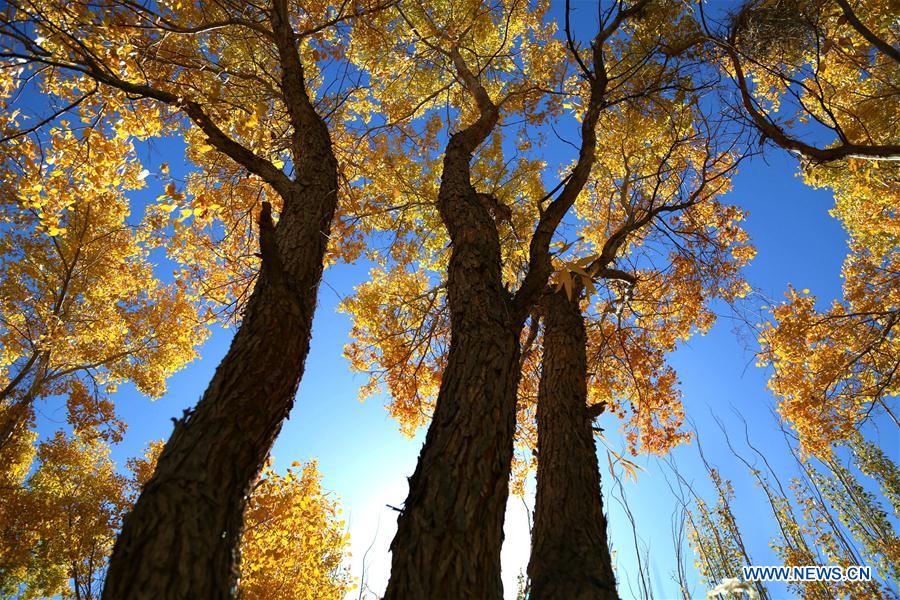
(570, 557)
(450, 532)
(182, 538)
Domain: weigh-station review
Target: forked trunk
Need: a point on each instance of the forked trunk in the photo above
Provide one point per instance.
(182, 538)
(451, 529)
(570, 557)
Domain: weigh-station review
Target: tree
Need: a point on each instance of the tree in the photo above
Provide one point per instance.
(570, 557)
(460, 486)
(294, 543)
(715, 537)
(663, 248)
(836, 366)
(171, 62)
(411, 323)
(82, 309)
(823, 516)
(828, 64)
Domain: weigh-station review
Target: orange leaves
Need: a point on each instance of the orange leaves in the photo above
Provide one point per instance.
(831, 368)
(629, 373)
(650, 208)
(834, 366)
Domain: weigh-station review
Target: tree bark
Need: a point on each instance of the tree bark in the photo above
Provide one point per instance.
(570, 558)
(450, 531)
(182, 538)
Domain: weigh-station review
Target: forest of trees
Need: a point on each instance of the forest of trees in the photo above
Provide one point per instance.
(542, 194)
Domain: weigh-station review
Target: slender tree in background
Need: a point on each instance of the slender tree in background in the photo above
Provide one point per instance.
(824, 516)
(199, 61)
(714, 535)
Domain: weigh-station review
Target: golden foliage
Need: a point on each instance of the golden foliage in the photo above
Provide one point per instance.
(830, 68)
(58, 524)
(81, 307)
(294, 540)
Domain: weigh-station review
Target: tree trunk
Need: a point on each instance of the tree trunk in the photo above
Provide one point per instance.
(181, 540)
(450, 532)
(18, 412)
(570, 557)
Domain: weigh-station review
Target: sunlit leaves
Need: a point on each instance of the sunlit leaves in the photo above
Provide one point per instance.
(81, 308)
(294, 539)
(835, 365)
(58, 526)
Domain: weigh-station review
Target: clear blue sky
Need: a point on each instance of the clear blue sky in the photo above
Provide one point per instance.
(365, 459)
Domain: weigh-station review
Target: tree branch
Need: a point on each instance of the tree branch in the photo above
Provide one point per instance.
(539, 263)
(217, 138)
(268, 247)
(867, 33)
(772, 131)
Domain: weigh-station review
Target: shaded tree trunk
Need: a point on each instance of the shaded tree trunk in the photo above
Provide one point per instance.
(18, 411)
(450, 532)
(182, 538)
(570, 558)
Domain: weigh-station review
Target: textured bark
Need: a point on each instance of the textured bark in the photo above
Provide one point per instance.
(570, 558)
(450, 532)
(182, 538)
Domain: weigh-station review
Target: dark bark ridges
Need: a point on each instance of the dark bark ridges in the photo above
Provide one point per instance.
(181, 540)
(570, 557)
(450, 532)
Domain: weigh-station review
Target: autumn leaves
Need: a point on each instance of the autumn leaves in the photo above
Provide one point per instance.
(516, 281)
